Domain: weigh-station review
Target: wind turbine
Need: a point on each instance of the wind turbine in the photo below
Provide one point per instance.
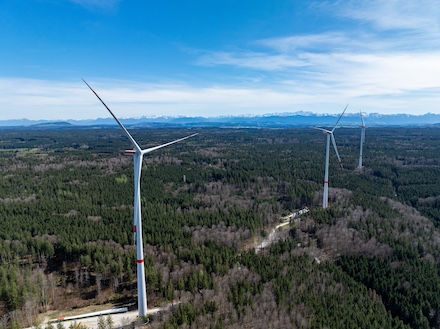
(362, 140)
(138, 154)
(330, 135)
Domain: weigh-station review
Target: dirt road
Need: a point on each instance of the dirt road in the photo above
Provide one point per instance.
(119, 319)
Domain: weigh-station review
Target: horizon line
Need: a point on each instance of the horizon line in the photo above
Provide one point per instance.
(274, 114)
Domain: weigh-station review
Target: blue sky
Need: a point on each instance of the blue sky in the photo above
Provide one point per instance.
(215, 58)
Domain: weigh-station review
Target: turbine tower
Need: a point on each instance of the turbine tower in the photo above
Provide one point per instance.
(330, 135)
(138, 154)
(362, 140)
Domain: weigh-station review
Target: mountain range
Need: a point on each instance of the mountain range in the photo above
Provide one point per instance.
(283, 120)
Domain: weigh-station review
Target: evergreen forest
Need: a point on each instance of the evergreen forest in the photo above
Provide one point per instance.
(370, 260)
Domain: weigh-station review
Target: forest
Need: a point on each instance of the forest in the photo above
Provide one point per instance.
(370, 260)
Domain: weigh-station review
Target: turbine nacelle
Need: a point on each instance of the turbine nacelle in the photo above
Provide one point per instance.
(151, 149)
(324, 131)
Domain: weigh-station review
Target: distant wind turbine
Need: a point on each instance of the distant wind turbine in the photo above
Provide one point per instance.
(137, 157)
(362, 140)
(329, 134)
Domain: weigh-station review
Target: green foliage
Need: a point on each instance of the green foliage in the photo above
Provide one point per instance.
(66, 203)
(333, 299)
(101, 323)
(409, 286)
(123, 179)
(215, 258)
(242, 293)
(186, 314)
(194, 282)
(50, 326)
(326, 216)
(76, 325)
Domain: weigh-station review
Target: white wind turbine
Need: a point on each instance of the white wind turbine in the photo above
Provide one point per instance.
(137, 157)
(362, 140)
(329, 134)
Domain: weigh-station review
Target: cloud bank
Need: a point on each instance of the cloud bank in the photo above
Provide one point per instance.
(385, 59)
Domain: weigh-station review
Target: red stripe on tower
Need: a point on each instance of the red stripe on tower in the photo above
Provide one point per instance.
(140, 261)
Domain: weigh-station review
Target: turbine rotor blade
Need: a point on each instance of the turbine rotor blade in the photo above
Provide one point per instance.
(334, 127)
(151, 149)
(135, 145)
(336, 150)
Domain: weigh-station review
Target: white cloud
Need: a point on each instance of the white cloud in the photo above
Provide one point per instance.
(309, 42)
(389, 72)
(37, 99)
(387, 63)
(393, 52)
(420, 15)
(252, 60)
